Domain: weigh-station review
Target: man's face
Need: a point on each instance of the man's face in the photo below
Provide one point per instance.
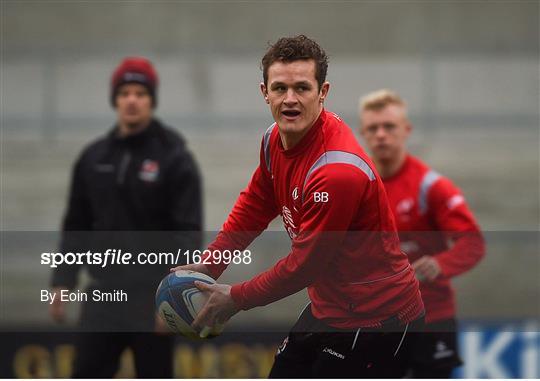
(385, 131)
(133, 104)
(293, 95)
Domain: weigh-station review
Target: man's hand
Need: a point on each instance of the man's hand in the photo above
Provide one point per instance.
(219, 308)
(199, 267)
(427, 269)
(57, 309)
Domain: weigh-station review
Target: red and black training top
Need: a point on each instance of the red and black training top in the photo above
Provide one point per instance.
(345, 248)
(430, 211)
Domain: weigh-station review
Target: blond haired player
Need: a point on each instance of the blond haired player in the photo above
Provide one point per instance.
(429, 211)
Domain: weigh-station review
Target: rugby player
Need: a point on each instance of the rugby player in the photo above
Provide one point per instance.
(429, 211)
(345, 249)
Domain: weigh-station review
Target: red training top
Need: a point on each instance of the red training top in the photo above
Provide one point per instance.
(429, 211)
(345, 248)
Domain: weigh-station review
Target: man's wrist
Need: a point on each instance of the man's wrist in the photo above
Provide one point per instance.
(237, 295)
(439, 265)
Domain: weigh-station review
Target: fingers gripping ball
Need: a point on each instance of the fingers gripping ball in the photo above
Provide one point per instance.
(178, 301)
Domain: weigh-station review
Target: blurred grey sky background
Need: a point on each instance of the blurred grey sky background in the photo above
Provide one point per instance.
(469, 71)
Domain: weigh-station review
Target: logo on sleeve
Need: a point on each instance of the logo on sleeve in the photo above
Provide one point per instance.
(454, 201)
(149, 171)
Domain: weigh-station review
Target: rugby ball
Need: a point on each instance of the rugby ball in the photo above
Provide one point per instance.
(178, 301)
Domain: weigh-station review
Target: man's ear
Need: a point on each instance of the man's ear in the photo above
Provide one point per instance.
(325, 88)
(264, 92)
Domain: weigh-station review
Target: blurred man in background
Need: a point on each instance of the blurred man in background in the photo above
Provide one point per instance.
(429, 210)
(134, 189)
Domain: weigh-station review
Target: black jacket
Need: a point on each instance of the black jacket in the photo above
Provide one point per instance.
(139, 194)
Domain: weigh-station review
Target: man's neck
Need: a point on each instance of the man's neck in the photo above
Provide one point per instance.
(388, 168)
(125, 129)
(291, 140)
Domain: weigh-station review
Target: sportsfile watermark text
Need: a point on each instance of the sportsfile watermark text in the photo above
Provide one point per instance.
(119, 257)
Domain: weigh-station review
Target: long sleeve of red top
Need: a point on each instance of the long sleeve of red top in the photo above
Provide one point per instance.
(452, 216)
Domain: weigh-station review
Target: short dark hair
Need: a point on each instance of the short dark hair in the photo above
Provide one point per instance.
(289, 49)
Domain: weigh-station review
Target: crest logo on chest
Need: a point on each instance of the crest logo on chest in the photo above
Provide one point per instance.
(405, 206)
(404, 209)
(149, 170)
(295, 194)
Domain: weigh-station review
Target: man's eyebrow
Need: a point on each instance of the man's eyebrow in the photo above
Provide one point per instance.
(299, 83)
(277, 83)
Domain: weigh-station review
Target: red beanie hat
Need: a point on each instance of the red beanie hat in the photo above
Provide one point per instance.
(135, 70)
